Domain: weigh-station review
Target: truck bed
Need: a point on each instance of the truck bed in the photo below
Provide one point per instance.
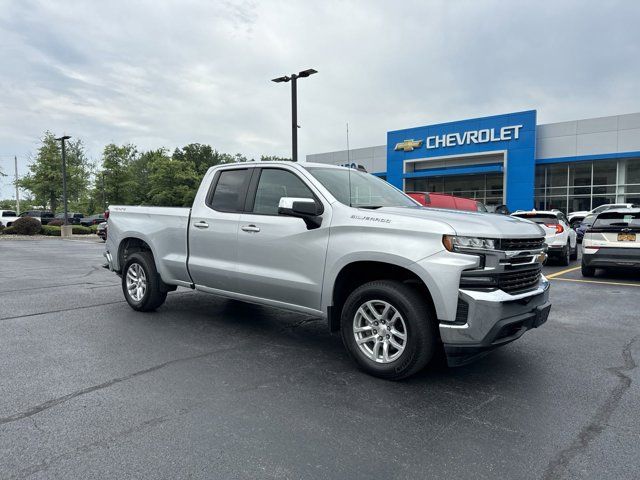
(167, 226)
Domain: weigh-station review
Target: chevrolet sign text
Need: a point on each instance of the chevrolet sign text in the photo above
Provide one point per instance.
(511, 132)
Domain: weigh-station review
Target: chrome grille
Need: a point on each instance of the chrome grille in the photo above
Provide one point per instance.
(519, 280)
(521, 243)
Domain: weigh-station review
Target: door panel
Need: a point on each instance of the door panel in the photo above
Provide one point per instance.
(213, 231)
(279, 258)
(283, 261)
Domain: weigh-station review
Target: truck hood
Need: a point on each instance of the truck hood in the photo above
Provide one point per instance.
(471, 224)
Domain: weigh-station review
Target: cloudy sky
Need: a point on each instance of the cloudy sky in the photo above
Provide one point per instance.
(162, 73)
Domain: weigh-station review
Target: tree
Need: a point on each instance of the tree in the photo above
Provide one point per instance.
(173, 183)
(204, 156)
(115, 176)
(44, 179)
(273, 158)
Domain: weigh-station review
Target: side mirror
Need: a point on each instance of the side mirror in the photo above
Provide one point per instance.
(305, 208)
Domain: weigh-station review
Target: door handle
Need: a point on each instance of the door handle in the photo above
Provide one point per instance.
(201, 224)
(250, 228)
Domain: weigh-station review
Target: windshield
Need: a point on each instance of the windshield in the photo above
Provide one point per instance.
(538, 217)
(617, 219)
(367, 191)
(588, 220)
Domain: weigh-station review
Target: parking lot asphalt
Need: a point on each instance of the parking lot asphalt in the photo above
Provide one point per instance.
(212, 388)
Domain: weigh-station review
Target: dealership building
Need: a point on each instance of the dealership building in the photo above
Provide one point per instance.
(510, 159)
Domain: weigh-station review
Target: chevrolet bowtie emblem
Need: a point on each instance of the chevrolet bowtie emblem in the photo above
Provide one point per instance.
(408, 145)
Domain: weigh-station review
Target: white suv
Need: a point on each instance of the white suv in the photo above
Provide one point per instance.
(575, 217)
(561, 240)
(612, 241)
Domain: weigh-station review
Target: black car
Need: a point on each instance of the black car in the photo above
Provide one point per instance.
(73, 218)
(45, 216)
(584, 226)
(92, 220)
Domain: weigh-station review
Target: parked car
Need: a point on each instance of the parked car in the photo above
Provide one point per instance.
(45, 216)
(575, 217)
(562, 241)
(73, 218)
(584, 225)
(442, 200)
(398, 281)
(92, 220)
(7, 217)
(101, 231)
(612, 241)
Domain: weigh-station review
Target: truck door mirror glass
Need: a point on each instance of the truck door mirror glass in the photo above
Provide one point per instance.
(304, 208)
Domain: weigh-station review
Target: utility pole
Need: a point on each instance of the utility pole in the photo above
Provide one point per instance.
(15, 160)
(294, 106)
(66, 229)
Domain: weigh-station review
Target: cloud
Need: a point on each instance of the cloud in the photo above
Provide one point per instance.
(169, 73)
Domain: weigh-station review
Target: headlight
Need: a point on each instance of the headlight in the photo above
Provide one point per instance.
(454, 243)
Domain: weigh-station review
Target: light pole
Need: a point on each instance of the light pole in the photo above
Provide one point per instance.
(64, 177)
(294, 106)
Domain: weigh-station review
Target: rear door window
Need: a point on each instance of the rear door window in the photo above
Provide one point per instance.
(8, 213)
(230, 190)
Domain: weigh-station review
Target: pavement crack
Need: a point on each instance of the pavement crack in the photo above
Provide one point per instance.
(464, 416)
(60, 310)
(70, 396)
(104, 442)
(600, 420)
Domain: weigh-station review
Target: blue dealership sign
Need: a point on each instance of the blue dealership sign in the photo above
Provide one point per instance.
(512, 134)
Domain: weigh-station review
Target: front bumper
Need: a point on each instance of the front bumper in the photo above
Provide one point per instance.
(621, 257)
(489, 319)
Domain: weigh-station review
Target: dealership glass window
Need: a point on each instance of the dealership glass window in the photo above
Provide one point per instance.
(633, 171)
(486, 188)
(559, 202)
(579, 203)
(557, 175)
(580, 178)
(605, 173)
(598, 200)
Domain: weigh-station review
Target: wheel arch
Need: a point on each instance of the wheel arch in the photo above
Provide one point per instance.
(130, 245)
(358, 272)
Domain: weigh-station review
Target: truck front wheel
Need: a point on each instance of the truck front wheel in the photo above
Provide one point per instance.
(388, 329)
(141, 283)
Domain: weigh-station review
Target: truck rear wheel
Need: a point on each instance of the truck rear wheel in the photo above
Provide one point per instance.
(388, 329)
(141, 283)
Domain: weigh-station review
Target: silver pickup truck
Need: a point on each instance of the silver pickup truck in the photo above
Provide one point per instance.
(399, 281)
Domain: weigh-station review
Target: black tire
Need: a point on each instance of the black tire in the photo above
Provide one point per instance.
(154, 295)
(574, 252)
(587, 271)
(565, 256)
(421, 333)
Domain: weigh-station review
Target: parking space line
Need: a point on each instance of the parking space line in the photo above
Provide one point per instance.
(562, 272)
(597, 281)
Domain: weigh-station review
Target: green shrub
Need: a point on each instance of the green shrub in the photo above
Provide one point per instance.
(50, 230)
(9, 231)
(80, 230)
(26, 226)
(56, 223)
(94, 228)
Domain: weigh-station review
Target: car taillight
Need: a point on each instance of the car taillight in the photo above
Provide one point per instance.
(559, 228)
(106, 214)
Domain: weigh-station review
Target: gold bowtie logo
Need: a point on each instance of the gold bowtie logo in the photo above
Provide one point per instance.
(408, 145)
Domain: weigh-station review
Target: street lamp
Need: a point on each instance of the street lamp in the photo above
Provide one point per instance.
(294, 106)
(64, 176)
